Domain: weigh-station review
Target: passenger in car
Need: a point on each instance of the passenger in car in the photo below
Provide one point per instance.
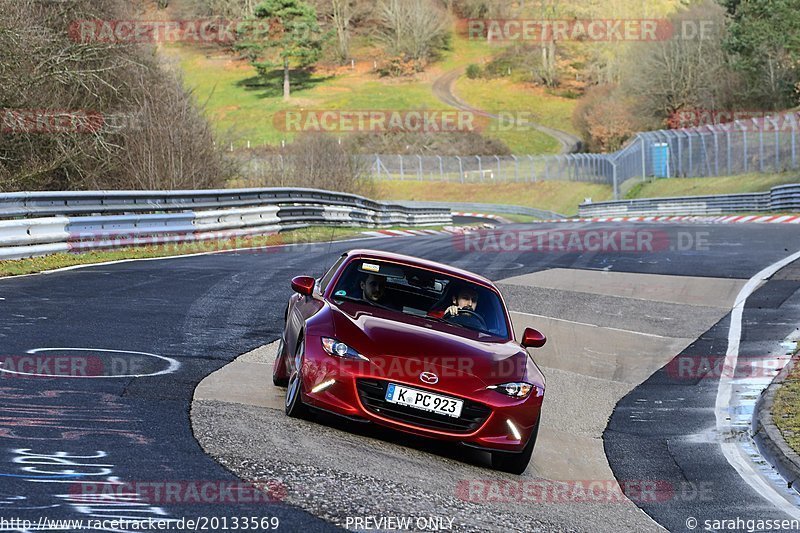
(373, 288)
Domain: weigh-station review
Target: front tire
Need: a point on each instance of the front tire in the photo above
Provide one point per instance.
(279, 379)
(295, 407)
(516, 463)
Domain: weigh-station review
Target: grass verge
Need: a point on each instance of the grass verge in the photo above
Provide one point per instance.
(559, 196)
(313, 234)
(660, 188)
(786, 409)
(564, 196)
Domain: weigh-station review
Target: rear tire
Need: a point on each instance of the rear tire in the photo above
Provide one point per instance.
(295, 407)
(516, 463)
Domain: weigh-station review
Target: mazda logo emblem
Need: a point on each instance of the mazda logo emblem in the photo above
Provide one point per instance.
(429, 377)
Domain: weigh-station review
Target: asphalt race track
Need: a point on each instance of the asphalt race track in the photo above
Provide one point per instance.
(157, 328)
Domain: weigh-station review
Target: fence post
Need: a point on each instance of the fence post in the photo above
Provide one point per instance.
(760, 146)
(480, 167)
(644, 158)
(716, 149)
(744, 139)
(516, 168)
(419, 170)
(614, 177)
(460, 169)
(730, 156)
(689, 147)
(794, 149)
(441, 168)
(706, 158)
(777, 146)
(402, 169)
(499, 171)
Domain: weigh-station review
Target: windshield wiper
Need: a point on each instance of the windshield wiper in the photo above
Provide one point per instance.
(445, 321)
(479, 330)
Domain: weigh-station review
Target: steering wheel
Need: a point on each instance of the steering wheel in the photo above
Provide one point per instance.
(472, 314)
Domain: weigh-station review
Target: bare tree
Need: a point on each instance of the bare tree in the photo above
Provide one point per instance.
(342, 15)
(219, 8)
(670, 75)
(318, 161)
(415, 29)
(45, 70)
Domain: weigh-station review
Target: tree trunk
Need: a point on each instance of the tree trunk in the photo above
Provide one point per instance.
(287, 90)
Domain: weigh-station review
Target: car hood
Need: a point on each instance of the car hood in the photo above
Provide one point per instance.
(405, 349)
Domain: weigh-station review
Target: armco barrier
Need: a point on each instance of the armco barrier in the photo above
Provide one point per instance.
(784, 198)
(40, 204)
(64, 221)
(490, 208)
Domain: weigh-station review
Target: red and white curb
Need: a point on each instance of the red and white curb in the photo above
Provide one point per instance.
(496, 218)
(448, 230)
(730, 219)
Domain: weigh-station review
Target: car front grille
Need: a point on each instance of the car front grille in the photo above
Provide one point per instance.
(373, 397)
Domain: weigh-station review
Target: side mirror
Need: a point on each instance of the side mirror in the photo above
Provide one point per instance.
(303, 285)
(533, 339)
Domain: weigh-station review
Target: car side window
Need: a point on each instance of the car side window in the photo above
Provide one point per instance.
(326, 279)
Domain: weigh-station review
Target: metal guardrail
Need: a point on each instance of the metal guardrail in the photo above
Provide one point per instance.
(779, 199)
(24, 204)
(40, 223)
(503, 209)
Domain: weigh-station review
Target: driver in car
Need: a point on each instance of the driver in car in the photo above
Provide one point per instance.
(465, 297)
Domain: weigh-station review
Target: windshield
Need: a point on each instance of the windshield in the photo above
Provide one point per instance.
(422, 293)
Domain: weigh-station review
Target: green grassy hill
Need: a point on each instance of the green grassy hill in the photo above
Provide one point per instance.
(243, 107)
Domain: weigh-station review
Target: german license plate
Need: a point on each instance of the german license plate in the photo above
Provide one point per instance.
(426, 401)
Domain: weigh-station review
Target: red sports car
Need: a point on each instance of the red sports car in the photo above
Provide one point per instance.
(416, 346)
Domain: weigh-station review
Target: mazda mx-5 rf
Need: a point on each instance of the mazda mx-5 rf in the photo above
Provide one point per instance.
(416, 346)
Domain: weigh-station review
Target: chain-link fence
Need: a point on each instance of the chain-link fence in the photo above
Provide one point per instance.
(572, 167)
(767, 144)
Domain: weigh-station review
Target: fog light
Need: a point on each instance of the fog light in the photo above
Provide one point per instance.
(514, 430)
(322, 386)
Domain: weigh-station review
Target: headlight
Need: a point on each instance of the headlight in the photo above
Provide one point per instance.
(340, 349)
(517, 390)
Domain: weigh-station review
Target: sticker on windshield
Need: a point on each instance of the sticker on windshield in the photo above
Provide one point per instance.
(340, 293)
(370, 267)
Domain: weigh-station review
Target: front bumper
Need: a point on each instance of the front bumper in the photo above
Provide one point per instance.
(489, 419)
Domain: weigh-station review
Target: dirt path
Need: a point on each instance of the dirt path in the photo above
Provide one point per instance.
(443, 89)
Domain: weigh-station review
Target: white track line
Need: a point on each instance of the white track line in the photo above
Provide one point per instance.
(733, 453)
(591, 325)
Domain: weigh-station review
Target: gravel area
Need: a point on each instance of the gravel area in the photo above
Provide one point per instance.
(355, 472)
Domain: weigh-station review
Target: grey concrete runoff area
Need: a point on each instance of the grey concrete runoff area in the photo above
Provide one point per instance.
(607, 332)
